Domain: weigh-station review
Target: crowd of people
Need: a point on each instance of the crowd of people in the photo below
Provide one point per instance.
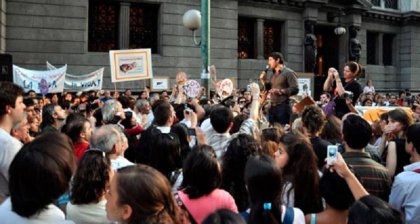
(251, 157)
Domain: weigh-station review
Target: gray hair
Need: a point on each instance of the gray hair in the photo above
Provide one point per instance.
(109, 110)
(140, 104)
(18, 125)
(104, 138)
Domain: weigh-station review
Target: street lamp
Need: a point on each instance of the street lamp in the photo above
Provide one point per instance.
(193, 20)
(339, 30)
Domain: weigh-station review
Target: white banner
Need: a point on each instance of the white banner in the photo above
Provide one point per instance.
(43, 82)
(91, 81)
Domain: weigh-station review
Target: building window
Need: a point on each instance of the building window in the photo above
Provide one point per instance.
(387, 47)
(371, 39)
(391, 4)
(143, 26)
(103, 25)
(376, 2)
(246, 40)
(387, 4)
(272, 37)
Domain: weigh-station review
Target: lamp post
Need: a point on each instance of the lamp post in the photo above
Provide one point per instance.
(193, 20)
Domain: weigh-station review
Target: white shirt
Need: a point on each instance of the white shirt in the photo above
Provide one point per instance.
(87, 213)
(9, 147)
(120, 162)
(50, 215)
(164, 130)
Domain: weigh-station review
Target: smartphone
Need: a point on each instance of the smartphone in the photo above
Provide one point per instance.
(332, 151)
(191, 132)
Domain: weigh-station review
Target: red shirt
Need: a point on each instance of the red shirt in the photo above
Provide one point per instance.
(80, 148)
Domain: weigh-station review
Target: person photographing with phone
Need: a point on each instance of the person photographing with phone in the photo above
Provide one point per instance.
(281, 85)
(347, 93)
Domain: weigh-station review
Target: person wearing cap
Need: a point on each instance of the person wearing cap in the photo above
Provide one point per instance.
(283, 84)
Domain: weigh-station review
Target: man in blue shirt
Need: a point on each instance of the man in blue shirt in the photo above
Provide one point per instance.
(406, 188)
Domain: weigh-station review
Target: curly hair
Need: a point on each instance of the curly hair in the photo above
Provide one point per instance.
(302, 172)
(313, 119)
(272, 134)
(332, 130)
(91, 178)
(239, 150)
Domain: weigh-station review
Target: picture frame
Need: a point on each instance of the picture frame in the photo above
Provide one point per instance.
(306, 84)
(160, 83)
(130, 65)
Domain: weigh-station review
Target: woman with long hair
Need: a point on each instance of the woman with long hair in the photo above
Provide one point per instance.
(394, 134)
(300, 172)
(234, 160)
(88, 188)
(199, 192)
(264, 183)
(141, 194)
(347, 91)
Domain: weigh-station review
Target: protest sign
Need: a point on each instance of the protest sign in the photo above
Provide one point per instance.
(87, 82)
(129, 65)
(43, 82)
(192, 88)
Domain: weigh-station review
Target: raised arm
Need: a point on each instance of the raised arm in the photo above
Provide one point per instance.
(343, 170)
(328, 81)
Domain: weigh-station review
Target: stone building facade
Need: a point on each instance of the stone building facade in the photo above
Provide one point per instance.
(388, 32)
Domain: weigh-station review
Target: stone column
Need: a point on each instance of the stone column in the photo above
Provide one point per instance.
(310, 46)
(260, 39)
(124, 26)
(379, 51)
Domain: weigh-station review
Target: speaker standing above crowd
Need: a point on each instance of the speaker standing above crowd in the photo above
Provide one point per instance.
(248, 155)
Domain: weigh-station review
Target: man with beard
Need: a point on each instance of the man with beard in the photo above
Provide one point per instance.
(53, 117)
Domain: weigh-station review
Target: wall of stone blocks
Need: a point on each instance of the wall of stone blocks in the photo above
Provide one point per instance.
(410, 53)
(36, 31)
(292, 46)
(56, 30)
(384, 77)
(2, 26)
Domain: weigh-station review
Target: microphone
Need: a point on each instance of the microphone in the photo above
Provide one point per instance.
(267, 67)
(267, 85)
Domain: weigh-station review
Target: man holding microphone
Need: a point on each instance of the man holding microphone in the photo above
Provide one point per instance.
(283, 84)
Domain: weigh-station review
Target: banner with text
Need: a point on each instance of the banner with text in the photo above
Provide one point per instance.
(43, 82)
(87, 82)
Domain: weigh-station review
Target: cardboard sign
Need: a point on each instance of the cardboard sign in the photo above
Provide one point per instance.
(192, 88)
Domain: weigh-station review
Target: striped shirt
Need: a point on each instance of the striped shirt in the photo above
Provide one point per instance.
(372, 175)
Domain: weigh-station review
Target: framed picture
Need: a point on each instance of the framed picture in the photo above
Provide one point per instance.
(129, 65)
(160, 83)
(306, 84)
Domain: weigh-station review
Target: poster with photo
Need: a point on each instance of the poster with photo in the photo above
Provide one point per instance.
(160, 83)
(304, 87)
(130, 65)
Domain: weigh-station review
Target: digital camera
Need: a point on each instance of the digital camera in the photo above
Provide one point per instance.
(348, 95)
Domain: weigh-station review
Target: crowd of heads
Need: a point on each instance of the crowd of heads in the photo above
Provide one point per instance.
(135, 153)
